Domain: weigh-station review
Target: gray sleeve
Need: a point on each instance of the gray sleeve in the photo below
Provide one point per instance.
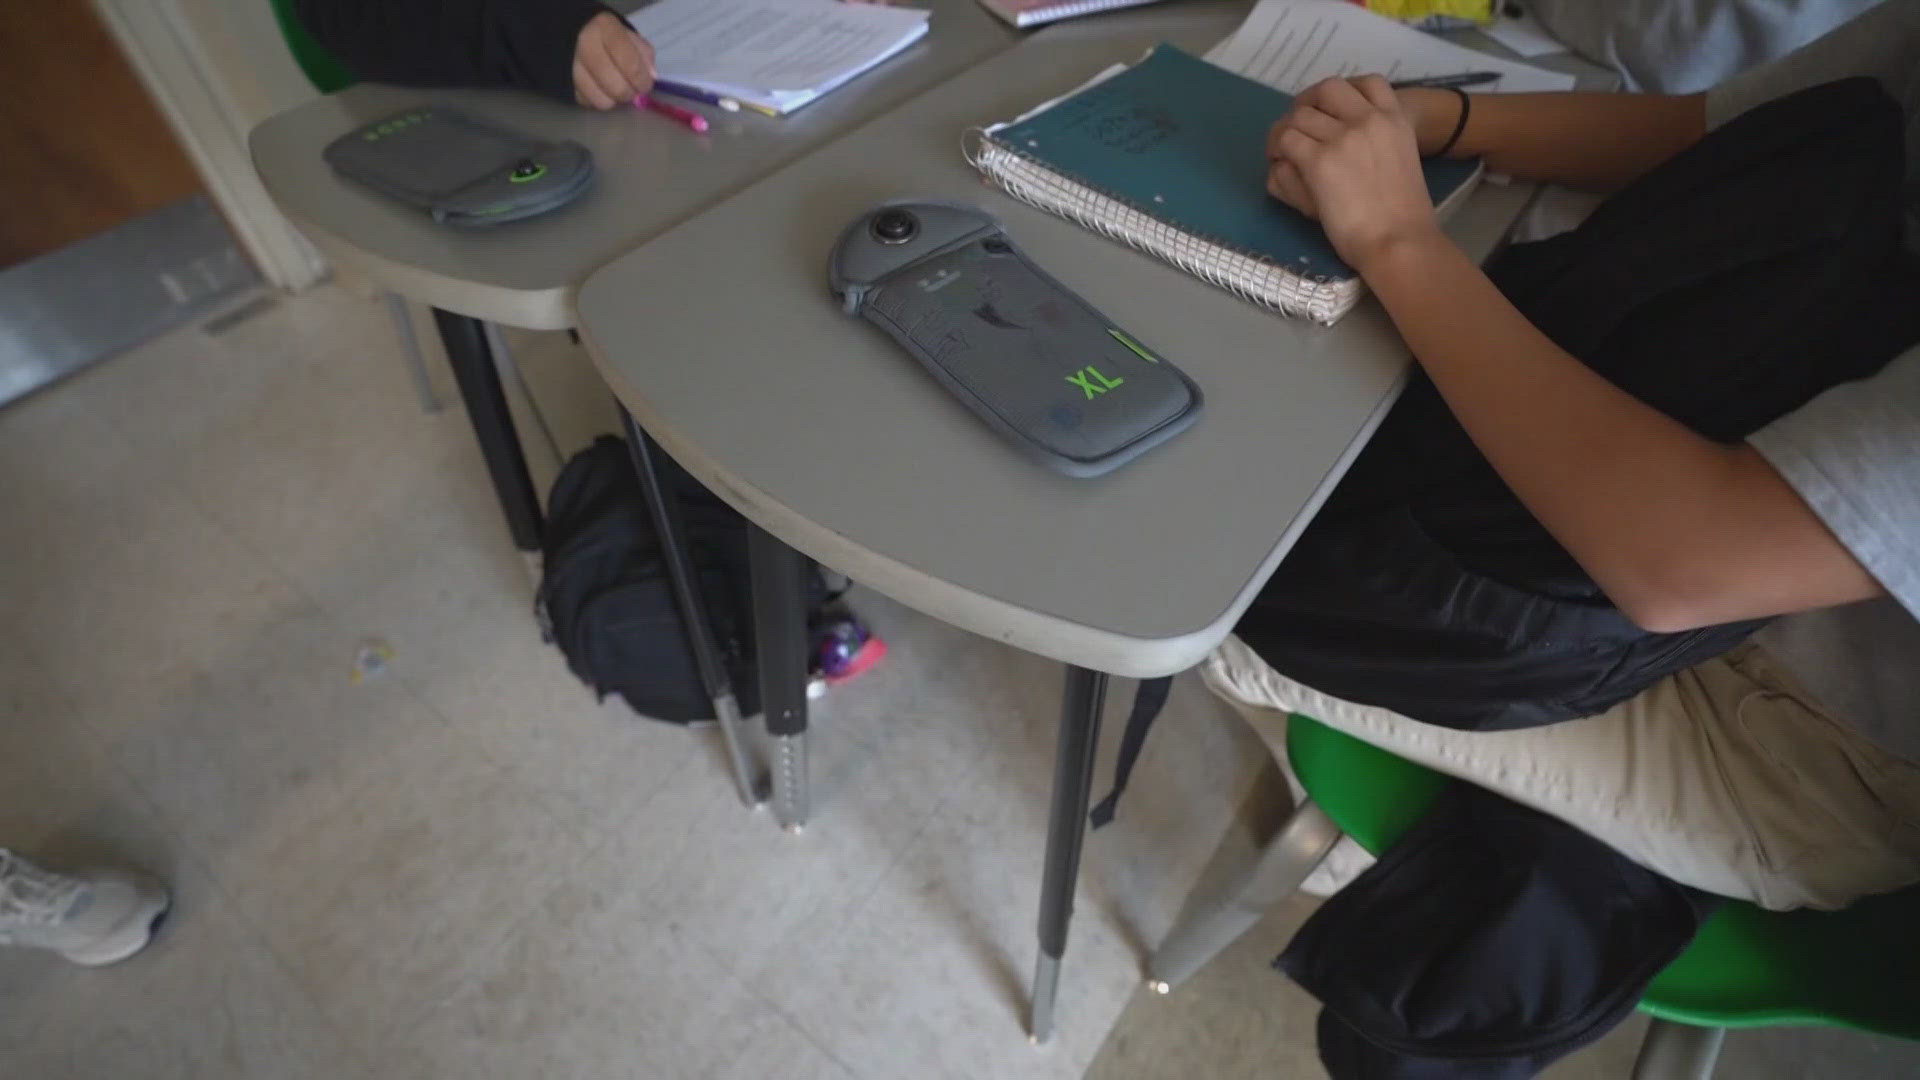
(1883, 43)
(1853, 454)
(1686, 46)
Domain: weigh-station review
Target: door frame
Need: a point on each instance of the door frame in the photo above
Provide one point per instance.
(168, 54)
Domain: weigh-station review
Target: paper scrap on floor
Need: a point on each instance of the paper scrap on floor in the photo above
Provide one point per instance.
(775, 54)
(1292, 44)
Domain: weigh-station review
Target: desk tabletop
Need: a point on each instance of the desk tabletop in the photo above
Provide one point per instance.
(652, 174)
(720, 335)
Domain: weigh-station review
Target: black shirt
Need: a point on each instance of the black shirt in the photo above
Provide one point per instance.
(526, 44)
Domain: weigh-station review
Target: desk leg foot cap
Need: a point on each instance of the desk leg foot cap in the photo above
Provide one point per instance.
(1046, 983)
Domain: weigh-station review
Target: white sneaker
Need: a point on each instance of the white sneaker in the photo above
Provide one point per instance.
(101, 918)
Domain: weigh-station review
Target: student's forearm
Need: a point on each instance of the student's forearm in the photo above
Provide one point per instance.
(1679, 531)
(1594, 141)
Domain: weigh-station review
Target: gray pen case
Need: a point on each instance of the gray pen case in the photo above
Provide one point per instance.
(460, 169)
(1040, 365)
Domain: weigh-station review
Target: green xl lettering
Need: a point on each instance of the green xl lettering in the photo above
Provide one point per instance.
(1091, 382)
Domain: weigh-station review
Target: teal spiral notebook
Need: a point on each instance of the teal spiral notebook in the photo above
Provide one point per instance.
(1169, 156)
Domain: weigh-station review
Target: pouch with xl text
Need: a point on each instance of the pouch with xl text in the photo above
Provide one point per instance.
(1040, 365)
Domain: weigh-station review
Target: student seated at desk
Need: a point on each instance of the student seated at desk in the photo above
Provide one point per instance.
(1636, 544)
(575, 50)
(1588, 491)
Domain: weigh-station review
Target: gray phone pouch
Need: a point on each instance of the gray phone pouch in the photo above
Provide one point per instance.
(1044, 369)
(460, 169)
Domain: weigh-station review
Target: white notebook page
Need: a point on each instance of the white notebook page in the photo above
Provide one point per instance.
(1292, 44)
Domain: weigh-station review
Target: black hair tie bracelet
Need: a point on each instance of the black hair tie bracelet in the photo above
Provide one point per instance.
(1466, 107)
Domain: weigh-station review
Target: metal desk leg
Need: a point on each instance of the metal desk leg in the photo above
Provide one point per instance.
(1676, 1051)
(780, 626)
(672, 534)
(466, 342)
(1085, 696)
(410, 351)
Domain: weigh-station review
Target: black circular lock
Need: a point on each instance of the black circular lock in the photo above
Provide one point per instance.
(895, 226)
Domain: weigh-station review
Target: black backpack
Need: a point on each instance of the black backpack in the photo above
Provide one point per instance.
(605, 599)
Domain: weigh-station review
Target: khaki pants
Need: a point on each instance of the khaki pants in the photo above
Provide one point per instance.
(1726, 776)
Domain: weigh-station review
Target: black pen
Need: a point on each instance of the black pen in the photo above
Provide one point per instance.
(1442, 82)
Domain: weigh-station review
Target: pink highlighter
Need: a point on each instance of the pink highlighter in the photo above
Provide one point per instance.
(693, 120)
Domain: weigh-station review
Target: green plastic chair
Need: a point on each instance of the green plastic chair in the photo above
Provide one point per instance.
(1858, 968)
(322, 70)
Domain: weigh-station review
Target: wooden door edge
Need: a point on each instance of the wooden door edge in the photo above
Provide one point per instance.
(160, 43)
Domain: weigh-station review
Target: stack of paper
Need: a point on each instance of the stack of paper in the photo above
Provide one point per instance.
(773, 55)
(1025, 13)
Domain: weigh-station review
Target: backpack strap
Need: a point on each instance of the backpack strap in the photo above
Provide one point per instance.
(1148, 700)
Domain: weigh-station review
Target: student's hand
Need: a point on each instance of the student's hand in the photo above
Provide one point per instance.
(1345, 155)
(612, 65)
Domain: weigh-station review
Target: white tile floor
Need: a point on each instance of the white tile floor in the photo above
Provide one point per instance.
(467, 867)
